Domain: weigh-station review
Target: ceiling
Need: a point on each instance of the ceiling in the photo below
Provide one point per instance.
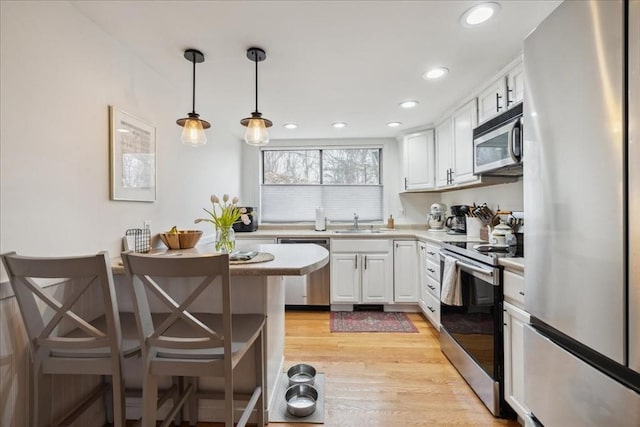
(327, 61)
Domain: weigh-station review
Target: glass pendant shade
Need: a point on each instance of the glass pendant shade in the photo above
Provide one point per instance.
(193, 133)
(256, 133)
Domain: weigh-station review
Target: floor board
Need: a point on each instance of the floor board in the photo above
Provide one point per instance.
(382, 379)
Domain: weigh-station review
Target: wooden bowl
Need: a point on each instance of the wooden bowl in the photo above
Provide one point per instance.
(183, 239)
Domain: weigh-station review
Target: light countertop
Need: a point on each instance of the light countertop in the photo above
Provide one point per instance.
(516, 264)
(399, 233)
(288, 260)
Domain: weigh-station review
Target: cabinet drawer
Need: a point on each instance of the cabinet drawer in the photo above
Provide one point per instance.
(432, 310)
(433, 287)
(514, 287)
(433, 253)
(361, 245)
(433, 270)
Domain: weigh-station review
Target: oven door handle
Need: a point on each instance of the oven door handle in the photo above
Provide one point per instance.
(469, 267)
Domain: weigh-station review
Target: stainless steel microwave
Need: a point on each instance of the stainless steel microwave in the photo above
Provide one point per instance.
(497, 145)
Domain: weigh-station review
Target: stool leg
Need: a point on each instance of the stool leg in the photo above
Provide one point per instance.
(150, 399)
(193, 402)
(259, 361)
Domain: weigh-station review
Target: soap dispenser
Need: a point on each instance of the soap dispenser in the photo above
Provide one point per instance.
(390, 223)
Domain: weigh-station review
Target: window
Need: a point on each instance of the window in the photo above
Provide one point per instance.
(343, 181)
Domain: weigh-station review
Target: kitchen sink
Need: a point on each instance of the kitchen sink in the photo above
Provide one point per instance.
(358, 231)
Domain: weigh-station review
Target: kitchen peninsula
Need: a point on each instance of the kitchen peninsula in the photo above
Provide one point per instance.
(256, 288)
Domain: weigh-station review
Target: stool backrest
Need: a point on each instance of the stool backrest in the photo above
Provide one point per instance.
(50, 312)
(146, 275)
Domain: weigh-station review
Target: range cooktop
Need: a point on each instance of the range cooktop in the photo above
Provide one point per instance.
(477, 251)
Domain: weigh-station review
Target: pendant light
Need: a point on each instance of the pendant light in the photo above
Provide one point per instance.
(256, 133)
(193, 127)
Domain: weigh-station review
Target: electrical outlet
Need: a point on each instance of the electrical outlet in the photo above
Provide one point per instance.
(147, 224)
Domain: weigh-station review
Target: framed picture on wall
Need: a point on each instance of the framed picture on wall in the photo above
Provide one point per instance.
(132, 146)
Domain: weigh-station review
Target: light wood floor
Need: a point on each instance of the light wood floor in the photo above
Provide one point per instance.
(385, 380)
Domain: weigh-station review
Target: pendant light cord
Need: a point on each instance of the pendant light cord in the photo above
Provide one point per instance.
(193, 104)
(256, 61)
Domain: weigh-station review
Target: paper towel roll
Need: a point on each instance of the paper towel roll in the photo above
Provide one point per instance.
(320, 220)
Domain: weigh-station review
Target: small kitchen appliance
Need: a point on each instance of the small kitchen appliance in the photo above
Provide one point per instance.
(457, 223)
(253, 221)
(437, 217)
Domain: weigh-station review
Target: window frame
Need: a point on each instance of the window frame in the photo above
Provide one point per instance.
(321, 163)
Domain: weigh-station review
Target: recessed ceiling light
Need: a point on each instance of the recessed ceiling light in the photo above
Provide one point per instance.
(339, 125)
(123, 130)
(409, 104)
(290, 125)
(435, 73)
(394, 124)
(479, 14)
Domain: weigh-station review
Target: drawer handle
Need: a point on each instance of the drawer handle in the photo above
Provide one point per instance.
(521, 293)
(431, 287)
(431, 253)
(431, 270)
(431, 309)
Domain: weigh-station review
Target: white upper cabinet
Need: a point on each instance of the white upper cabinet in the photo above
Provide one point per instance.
(463, 122)
(515, 85)
(444, 145)
(418, 161)
(506, 91)
(454, 147)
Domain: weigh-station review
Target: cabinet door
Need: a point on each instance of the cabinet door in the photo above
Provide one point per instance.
(345, 278)
(443, 153)
(491, 101)
(514, 324)
(377, 278)
(463, 122)
(405, 271)
(419, 161)
(515, 85)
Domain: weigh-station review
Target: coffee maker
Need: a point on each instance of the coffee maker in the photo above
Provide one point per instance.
(437, 217)
(457, 223)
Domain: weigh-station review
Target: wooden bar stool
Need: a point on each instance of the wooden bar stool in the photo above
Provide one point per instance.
(189, 343)
(69, 336)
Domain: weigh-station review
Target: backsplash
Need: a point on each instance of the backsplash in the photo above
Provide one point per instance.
(502, 196)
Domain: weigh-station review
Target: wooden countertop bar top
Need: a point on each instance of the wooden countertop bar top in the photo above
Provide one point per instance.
(289, 260)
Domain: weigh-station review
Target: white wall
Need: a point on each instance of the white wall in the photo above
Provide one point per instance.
(59, 73)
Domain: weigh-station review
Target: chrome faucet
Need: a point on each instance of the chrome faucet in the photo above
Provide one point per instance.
(355, 221)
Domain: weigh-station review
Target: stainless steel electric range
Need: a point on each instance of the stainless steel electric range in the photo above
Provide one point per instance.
(471, 334)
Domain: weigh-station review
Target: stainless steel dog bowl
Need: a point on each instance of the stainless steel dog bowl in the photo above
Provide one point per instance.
(301, 399)
(301, 374)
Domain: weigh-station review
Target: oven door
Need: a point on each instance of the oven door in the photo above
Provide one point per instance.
(499, 148)
(476, 325)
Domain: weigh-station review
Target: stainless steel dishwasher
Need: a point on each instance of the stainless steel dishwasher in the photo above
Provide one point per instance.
(312, 289)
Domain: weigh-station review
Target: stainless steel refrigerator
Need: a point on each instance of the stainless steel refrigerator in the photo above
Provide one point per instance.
(582, 200)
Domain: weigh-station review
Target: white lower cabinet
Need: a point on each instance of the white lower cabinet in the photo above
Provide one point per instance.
(422, 274)
(514, 319)
(361, 271)
(405, 271)
(431, 306)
